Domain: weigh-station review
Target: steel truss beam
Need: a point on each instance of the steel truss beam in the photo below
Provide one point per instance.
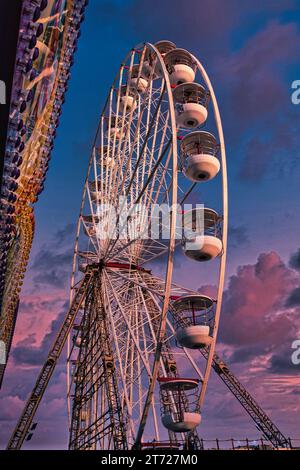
(260, 418)
(95, 323)
(38, 391)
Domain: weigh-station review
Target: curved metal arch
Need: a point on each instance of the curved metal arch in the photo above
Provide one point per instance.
(218, 122)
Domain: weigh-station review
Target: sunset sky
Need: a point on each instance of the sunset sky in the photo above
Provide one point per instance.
(251, 52)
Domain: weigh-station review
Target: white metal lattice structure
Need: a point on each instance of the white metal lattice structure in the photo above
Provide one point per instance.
(124, 337)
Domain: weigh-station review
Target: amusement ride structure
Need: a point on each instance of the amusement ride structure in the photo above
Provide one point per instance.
(45, 45)
(141, 347)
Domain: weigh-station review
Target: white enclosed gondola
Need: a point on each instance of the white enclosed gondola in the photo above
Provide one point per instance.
(202, 240)
(198, 153)
(139, 79)
(127, 99)
(179, 404)
(163, 48)
(194, 320)
(106, 161)
(191, 105)
(115, 128)
(180, 65)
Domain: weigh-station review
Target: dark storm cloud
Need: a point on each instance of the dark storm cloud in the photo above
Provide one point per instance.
(29, 307)
(257, 91)
(52, 264)
(237, 236)
(257, 88)
(224, 406)
(295, 260)
(55, 278)
(26, 353)
(66, 234)
(244, 354)
(281, 362)
(276, 153)
(293, 299)
(47, 259)
(52, 267)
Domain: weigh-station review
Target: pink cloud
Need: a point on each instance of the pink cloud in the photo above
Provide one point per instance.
(253, 309)
(11, 407)
(35, 315)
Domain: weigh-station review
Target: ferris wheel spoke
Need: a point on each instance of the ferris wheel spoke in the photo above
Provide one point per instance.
(126, 119)
(141, 356)
(122, 176)
(161, 248)
(150, 200)
(119, 358)
(153, 316)
(188, 355)
(135, 341)
(139, 159)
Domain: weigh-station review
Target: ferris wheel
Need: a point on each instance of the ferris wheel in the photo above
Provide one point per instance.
(141, 341)
(135, 378)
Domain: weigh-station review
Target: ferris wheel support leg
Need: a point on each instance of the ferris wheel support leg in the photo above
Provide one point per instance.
(31, 406)
(260, 418)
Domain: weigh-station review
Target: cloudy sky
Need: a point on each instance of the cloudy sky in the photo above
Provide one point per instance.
(251, 51)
